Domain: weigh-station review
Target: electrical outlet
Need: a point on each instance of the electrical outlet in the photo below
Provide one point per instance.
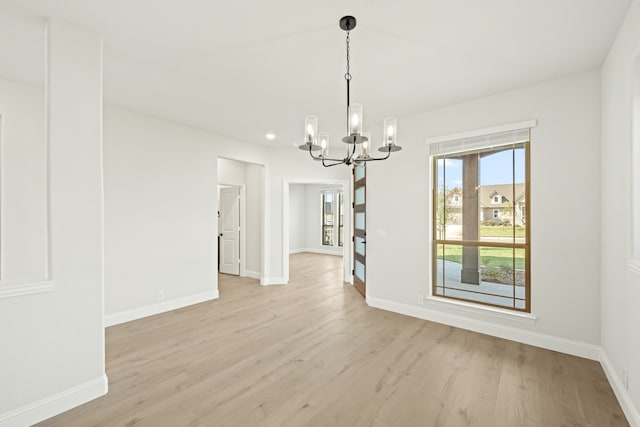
(625, 378)
(160, 296)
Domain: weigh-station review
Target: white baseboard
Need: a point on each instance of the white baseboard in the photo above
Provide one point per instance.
(268, 281)
(56, 404)
(321, 251)
(563, 345)
(252, 274)
(161, 307)
(630, 411)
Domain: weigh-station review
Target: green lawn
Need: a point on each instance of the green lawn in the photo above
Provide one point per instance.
(489, 257)
(500, 231)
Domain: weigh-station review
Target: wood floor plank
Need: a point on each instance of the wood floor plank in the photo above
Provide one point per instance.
(312, 353)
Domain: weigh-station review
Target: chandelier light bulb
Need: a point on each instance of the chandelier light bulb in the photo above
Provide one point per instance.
(364, 146)
(390, 126)
(324, 143)
(355, 115)
(309, 133)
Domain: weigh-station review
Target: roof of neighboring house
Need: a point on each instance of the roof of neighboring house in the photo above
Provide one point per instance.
(486, 192)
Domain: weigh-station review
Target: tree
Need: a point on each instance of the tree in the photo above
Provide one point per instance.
(444, 209)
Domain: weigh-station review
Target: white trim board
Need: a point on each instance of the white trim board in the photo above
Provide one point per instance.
(629, 409)
(27, 288)
(480, 132)
(563, 345)
(161, 307)
(56, 404)
(252, 274)
(268, 281)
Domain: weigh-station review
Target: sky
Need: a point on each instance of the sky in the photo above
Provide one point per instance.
(494, 169)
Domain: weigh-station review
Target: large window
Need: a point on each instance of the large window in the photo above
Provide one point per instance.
(481, 243)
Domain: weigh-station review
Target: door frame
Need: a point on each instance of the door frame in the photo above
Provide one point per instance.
(360, 233)
(243, 224)
(347, 253)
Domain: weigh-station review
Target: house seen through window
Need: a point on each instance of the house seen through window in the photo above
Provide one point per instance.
(481, 243)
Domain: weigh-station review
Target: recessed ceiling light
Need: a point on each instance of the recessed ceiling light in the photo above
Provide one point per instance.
(270, 136)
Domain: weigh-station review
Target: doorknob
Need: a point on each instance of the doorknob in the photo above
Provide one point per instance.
(220, 235)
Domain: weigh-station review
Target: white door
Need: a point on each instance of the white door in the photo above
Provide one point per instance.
(229, 230)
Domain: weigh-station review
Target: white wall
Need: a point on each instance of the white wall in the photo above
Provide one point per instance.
(160, 212)
(231, 172)
(620, 286)
(297, 217)
(565, 213)
(53, 342)
(23, 183)
(254, 177)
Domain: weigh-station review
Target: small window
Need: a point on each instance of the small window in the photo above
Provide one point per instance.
(496, 199)
(496, 214)
(332, 218)
(340, 220)
(456, 199)
(327, 219)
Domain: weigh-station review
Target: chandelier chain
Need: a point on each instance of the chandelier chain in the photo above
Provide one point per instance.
(347, 76)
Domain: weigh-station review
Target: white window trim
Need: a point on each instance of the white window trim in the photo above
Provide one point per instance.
(470, 307)
(482, 132)
(336, 221)
(634, 262)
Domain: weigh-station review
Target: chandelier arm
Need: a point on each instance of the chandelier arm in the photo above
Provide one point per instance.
(375, 159)
(320, 157)
(337, 162)
(312, 156)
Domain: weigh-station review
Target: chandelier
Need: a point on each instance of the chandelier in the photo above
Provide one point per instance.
(315, 141)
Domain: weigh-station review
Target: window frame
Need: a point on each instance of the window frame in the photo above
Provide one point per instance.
(526, 246)
(337, 225)
(323, 217)
(340, 209)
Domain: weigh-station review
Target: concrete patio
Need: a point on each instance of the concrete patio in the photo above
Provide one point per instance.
(505, 295)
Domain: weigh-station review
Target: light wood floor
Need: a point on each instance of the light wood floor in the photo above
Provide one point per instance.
(313, 353)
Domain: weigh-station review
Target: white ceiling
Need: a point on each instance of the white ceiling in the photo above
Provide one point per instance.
(247, 67)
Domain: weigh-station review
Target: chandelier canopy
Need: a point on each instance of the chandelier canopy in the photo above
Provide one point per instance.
(315, 141)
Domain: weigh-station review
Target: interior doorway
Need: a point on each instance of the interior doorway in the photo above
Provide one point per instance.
(241, 216)
(229, 230)
(317, 220)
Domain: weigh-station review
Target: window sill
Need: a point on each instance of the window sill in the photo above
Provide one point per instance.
(634, 266)
(13, 288)
(481, 309)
